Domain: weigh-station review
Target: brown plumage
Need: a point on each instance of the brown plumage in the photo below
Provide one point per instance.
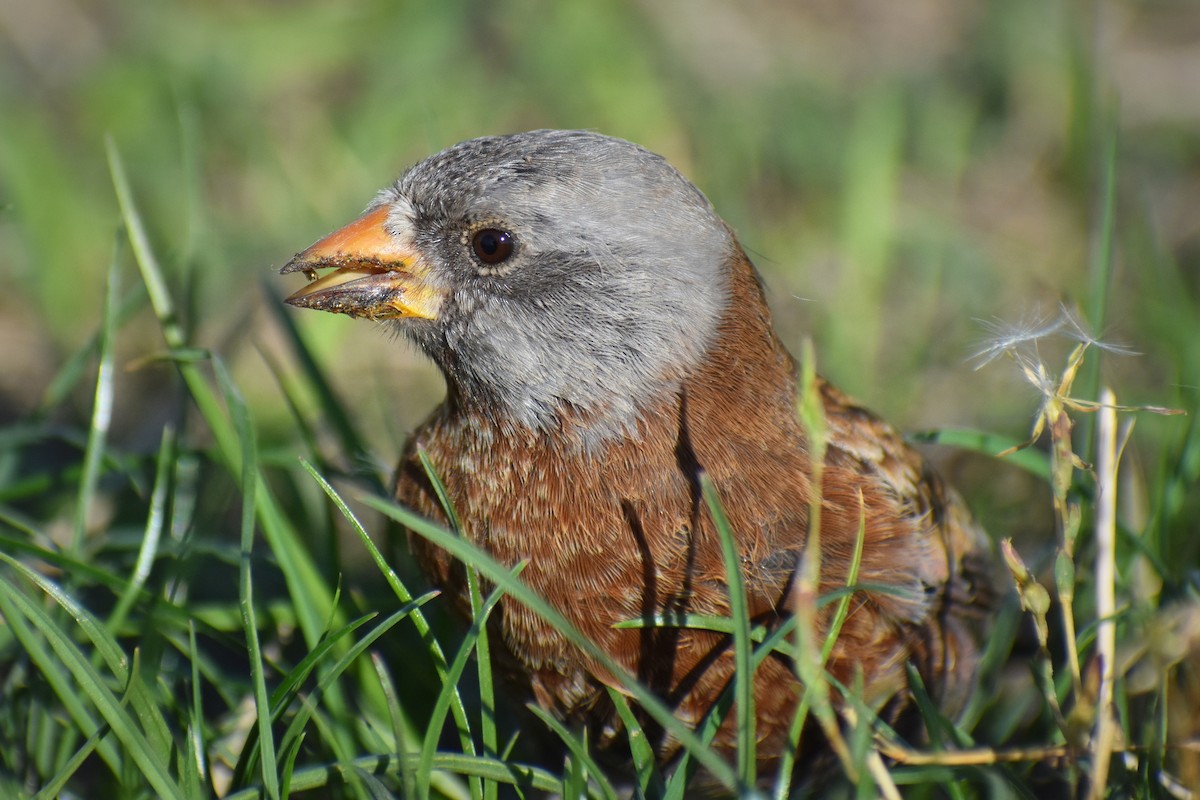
(600, 493)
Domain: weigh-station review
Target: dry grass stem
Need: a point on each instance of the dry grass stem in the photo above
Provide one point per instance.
(1106, 732)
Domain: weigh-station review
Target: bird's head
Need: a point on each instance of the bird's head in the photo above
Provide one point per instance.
(546, 273)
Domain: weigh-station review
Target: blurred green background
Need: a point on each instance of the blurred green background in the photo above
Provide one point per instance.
(899, 171)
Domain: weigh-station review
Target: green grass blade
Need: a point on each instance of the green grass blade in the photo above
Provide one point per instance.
(106, 645)
(78, 364)
(402, 729)
(290, 752)
(449, 695)
(843, 607)
(293, 681)
(488, 737)
(59, 680)
(497, 771)
(53, 788)
(289, 687)
(157, 731)
(76, 567)
(143, 253)
(436, 654)
(743, 646)
(487, 695)
(1033, 461)
(155, 519)
(497, 574)
(312, 778)
(788, 760)
(329, 678)
(286, 693)
(93, 685)
(307, 588)
(808, 664)
(579, 749)
(936, 724)
(249, 472)
(645, 766)
(443, 495)
(196, 749)
(102, 409)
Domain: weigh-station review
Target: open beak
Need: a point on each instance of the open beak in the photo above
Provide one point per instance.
(375, 274)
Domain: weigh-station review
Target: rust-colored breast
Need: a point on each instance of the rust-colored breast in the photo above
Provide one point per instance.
(622, 533)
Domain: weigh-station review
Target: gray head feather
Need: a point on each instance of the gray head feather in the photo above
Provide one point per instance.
(614, 290)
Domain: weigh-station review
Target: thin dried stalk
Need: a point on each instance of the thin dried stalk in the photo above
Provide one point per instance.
(1106, 733)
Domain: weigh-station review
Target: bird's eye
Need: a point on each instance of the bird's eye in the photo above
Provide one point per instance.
(492, 245)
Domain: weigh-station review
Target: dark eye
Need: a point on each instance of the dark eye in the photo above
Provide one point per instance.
(492, 245)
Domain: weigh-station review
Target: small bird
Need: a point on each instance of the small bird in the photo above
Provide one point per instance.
(606, 342)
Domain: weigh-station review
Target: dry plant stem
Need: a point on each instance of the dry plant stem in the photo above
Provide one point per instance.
(974, 758)
(1063, 465)
(982, 756)
(1091, 728)
(1053, 416)
(806, 589)
(1084, 723)
(1105, 736)
(879, 771)
(783, 785)
(1036, 601)
(883, 778)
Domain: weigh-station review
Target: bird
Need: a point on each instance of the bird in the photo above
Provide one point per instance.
(607, 348)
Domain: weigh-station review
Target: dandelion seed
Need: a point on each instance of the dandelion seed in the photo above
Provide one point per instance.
(1073, 328)
(1008, 337)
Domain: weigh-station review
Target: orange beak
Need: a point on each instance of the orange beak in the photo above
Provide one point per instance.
(375, 274)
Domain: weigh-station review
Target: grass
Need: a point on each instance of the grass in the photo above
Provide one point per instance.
(202, 590)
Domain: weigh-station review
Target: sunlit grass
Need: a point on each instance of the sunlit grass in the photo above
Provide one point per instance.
(203, 590)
